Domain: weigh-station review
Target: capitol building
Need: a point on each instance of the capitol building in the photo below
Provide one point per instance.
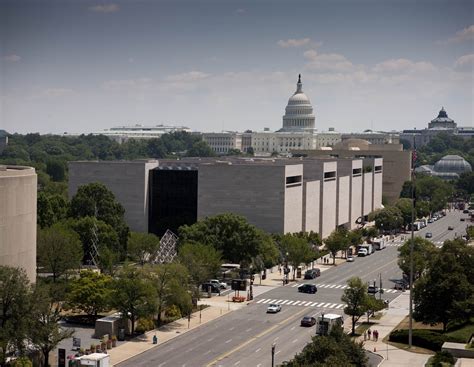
(298, 132)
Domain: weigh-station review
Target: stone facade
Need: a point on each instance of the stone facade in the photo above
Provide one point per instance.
(18, 192)
(128, 180)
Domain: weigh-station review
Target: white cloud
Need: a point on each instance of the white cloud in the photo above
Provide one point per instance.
(106, 8)
(11, 58)
(191, 76)
(466, 34)
(403, 66)
(127, 84)
(466, 61)
(294, 42)
(328, 62)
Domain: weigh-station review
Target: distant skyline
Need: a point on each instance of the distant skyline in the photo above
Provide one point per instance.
(83, 66)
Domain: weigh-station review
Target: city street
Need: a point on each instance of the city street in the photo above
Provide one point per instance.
(244, 337)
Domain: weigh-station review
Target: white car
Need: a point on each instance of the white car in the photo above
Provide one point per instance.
(218, 284)
(350, 259)
(272, 308)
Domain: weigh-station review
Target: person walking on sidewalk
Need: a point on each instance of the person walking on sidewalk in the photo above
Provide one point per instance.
(369, 333)
(376, 335)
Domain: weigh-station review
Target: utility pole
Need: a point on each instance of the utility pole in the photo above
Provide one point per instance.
(273, 354)
(412, 242)
(380, 286)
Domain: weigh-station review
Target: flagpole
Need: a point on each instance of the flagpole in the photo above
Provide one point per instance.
(412, 241)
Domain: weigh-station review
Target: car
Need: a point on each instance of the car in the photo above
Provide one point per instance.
(401, 286)
(212, 287)
(431, 220)
(350, 259)
(463, 219)
(372, 289)
(465, 211)
(450, 228)
(273, 308)
(428, 235)
(217, 283)
(307, 288)
(312, 273)
(308, 321)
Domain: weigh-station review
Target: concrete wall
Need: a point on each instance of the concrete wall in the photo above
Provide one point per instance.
(18, 188)
(343, 199)
(328, 218)
(128, 180)
(378, 184)
(255, 191)
(311, 206)
(368, 195)
(293, 220)
(356, 196)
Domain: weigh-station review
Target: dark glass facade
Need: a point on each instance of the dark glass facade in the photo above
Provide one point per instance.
(173, 199)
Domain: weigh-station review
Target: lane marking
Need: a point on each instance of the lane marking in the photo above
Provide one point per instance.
(279, 301)
(258, 350)
(296, 303)
(314, 304)
(251, 340)
(261, 300)
(332, 286)
(285, 301)
(290, 302)
(267, 300)
(228, 341)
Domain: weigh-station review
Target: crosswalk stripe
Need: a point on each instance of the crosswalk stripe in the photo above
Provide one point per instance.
(326, 305)
(266, 301)
(294, 285)
(340, 305)
(314, 304)
(285, 301)
(279, 301)
(332, 286)
(261, 300)
(322, 285)
(338, 286)
(344, 286)
(296, 303)
(273, 301)
(290, 303)
(308, 303)
(333, 305)
(321, 304)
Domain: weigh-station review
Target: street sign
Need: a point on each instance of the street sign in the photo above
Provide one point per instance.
(238, 284)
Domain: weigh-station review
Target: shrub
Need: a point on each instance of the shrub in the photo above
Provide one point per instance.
(22, 362)
(429, 339)
(145, 325)
(442, 357)
(173, 312)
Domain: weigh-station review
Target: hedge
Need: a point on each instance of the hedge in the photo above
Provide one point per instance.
(429, 339)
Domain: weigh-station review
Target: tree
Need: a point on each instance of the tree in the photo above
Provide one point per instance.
(297, 251)
(143, 247)
(14, 309)
(200, 149)
(423, 253)
(202, 262)
(231, 234)
(56, 169)
(337, 241)
(59, 250)
(234, 152)
(170, 282)
(96, 200)
(445, 293)
(388, 219)
(44, 210)
(466, 182)
(422, 208)
(90, 292)
(356, 298)
(334, 350)
(405, 206)
(45, 332)
(133, 294)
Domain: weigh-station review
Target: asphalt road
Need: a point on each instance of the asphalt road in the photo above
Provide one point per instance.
(244, 337)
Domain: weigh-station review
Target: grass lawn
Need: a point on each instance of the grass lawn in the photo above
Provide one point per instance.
(462, 334)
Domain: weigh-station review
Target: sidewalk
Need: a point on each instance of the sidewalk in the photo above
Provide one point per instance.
(393, 356)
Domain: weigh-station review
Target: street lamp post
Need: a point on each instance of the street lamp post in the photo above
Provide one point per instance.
(412, 243)
(273, 354)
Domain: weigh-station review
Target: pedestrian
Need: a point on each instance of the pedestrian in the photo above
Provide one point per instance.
(369, 333)
(365, 335)
(376, 335)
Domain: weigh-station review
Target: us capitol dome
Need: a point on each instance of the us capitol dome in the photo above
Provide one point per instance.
(299, 115)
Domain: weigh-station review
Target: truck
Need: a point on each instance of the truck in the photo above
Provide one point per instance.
(378, 243)
(326, 322)
(365, 249)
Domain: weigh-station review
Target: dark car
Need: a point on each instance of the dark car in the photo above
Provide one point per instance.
(463, 219)
(428, 235)
(308, 321)
(312, 273)
(307, 288)
(372, 289)
(450, 228)
(214, 288)
(465, 211)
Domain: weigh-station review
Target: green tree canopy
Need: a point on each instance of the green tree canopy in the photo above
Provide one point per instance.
(445, 293)
(297, 251)
(337, 241)
(143, 247)
(59, 250)
(423, 253)
(388, 219)
(90, 292)
(356, 299)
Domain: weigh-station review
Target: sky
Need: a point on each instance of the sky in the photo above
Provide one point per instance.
(211, 65)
